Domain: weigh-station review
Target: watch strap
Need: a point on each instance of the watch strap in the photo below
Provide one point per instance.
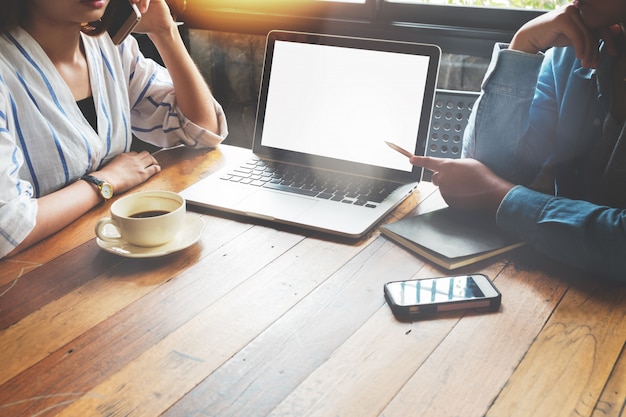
(100, 185)
(94, 180)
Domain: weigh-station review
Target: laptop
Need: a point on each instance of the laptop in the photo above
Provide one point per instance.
(327, 105)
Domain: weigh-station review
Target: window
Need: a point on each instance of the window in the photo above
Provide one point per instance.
(492, 19)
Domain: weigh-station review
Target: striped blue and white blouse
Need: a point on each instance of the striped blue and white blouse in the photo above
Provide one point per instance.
(45, 141)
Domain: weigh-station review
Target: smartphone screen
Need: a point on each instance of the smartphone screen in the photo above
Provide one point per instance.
(435, 290)
(442, 294)
(124, 16)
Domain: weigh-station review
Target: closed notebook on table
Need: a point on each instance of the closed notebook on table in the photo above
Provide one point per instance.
(451, 238)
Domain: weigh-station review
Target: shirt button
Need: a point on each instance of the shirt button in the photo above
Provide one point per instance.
(597, 122)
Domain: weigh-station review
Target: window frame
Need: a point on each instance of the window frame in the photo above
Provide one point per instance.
(468, 17)
(457, 29)
(306, 9)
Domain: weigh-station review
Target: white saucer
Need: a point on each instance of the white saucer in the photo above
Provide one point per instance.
(190, 233)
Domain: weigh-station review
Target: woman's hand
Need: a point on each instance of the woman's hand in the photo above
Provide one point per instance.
(129, 169)
(155, 17)
(465, 183)
(564, 27)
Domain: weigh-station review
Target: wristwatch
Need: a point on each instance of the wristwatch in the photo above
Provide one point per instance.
(104, 188)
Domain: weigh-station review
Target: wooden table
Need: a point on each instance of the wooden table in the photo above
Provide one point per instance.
(258, 321)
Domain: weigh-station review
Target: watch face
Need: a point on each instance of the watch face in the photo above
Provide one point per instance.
(107, 190)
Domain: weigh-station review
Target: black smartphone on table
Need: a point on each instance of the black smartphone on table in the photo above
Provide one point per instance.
(123, 16)
(418, 298)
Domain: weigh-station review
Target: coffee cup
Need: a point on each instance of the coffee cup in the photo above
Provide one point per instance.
(147, 219)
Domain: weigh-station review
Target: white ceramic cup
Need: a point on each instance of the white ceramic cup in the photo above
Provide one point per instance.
(149, 218)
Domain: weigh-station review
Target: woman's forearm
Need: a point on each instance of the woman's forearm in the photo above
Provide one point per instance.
(192, 93)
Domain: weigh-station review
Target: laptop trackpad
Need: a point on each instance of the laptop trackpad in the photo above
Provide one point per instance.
(276, 205)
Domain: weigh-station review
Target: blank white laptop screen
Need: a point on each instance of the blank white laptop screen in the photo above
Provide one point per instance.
(348, 109)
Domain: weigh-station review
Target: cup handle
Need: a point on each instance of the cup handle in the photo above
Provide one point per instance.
(102, 223)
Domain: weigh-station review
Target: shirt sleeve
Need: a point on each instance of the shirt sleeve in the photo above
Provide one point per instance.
(500, 125)
(576, 232)
(155, 115)
(18, 210)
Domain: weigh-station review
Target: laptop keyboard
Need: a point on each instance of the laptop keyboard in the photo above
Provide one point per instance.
(333, 186)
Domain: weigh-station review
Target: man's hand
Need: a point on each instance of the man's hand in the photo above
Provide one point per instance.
(465, 183)
(566, 27)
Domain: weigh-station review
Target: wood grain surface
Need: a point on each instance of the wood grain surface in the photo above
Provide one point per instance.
(257, 320)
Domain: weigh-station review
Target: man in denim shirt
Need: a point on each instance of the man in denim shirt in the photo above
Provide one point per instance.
(545, 145)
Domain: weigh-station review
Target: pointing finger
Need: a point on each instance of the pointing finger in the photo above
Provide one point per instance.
(428, 162)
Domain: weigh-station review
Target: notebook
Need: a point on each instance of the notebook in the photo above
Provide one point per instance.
(452, 238)
(327, 104)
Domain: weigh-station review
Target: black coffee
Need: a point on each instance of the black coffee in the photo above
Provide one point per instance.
(150, 213)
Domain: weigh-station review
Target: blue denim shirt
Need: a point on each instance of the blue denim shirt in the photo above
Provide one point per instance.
(544, 114)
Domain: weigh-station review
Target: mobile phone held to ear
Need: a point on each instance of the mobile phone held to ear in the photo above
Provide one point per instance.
(419, 298)
(124, 16)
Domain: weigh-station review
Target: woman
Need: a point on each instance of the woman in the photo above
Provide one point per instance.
(68, 104)
(546, 140)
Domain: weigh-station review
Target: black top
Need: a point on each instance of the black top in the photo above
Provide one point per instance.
(88, 107)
